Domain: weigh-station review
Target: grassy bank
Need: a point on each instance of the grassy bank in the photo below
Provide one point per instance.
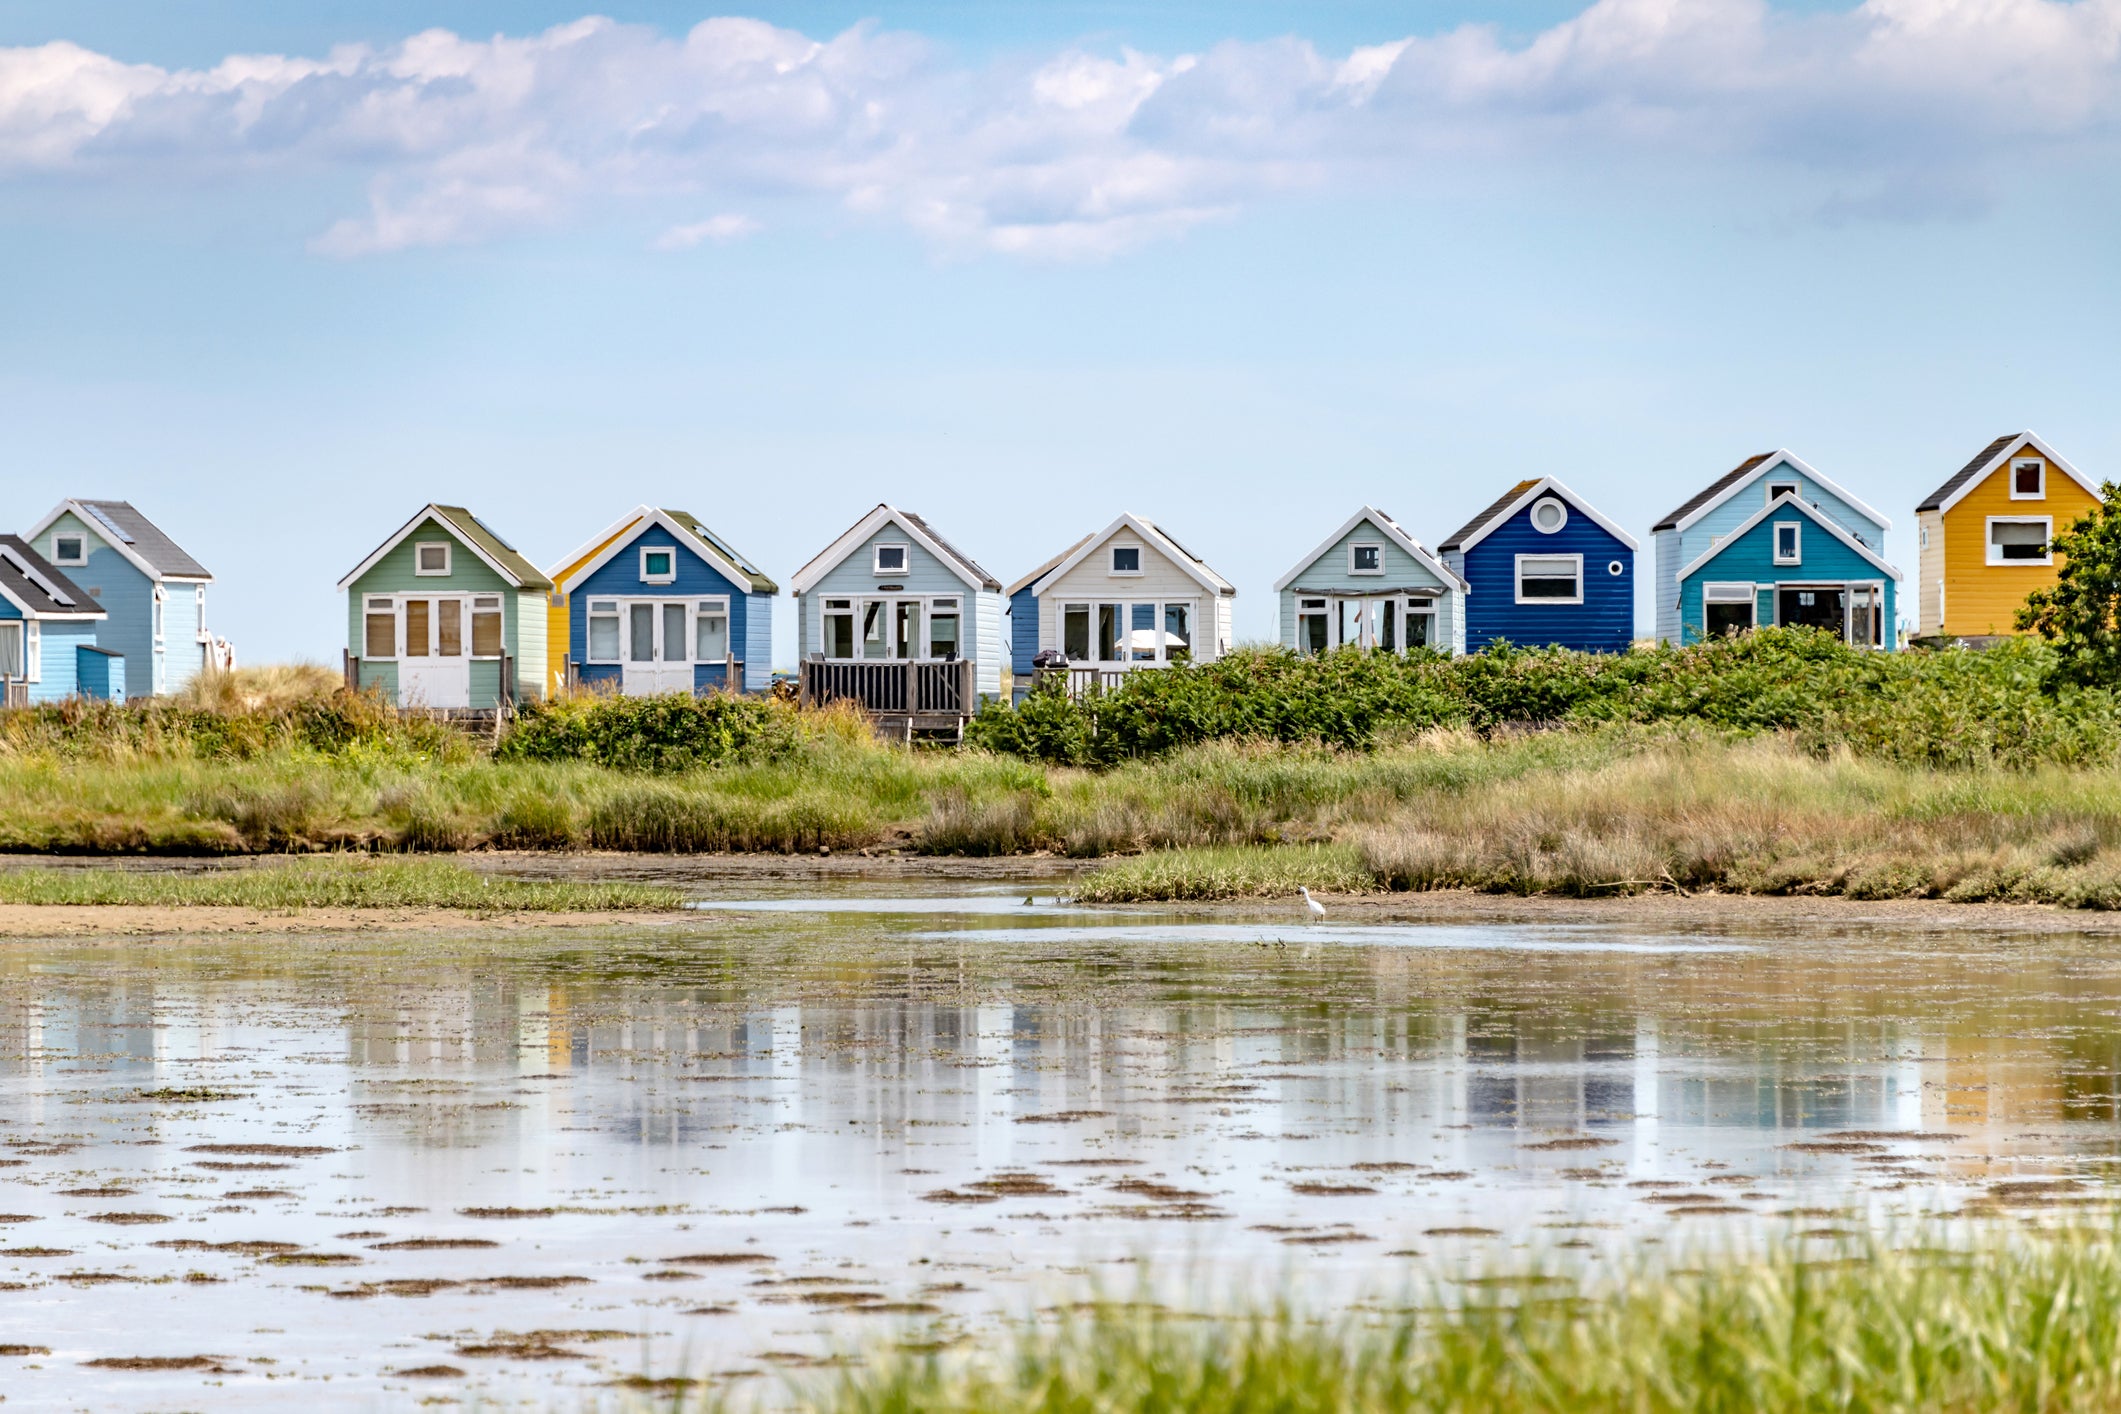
(2029, 1324)
(329, 883)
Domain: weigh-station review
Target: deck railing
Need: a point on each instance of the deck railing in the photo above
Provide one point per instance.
(891, 687)
(1079, 683)
(14, 692)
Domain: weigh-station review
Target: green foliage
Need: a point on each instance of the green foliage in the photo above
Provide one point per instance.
(2081, 614)
(663, 734)
(332, 723)
(329, 882)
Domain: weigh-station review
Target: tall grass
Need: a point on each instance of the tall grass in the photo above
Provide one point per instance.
(336, 882)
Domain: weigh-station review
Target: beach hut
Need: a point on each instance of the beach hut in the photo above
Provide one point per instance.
(153, 592)
(1541, 566)
(1982, 537)
(446, 615)
(48, 633)
(1791, 563)
(902, 622)
(655, 603)
(1373, 586)
(1713, 513)
(1127, 598)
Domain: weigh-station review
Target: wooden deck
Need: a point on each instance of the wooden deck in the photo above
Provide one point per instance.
(903, 700)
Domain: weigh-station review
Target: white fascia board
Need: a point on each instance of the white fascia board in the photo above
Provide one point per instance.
(432, 512)
(1031, 579)
(1804, 508)
(806, 578)
(617, 527)
(1540, 488)
(1393, 531)
(1782, 456)
(89, 518)
(650, 515)
(2018, 444)
(1088, 546)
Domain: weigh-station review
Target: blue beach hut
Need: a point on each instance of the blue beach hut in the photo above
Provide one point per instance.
(1790, 563)
(657, 603)
(48, 628)
(1541, 566)
(153, 592)
(1714, 512)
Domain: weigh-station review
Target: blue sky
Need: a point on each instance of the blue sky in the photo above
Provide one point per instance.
(1241, 268)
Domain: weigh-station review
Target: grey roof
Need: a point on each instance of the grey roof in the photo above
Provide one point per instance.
(1982, 458)
(1712, 491)
(965, 561)
(760, 584)
(146, 539)
(1203, 565)
(1477, 523)
(31, 581)
(1043, 570)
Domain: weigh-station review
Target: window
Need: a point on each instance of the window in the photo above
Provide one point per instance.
(1549, 515)
(1075, 632)
(1615, 568)
(710, 631)
(1108, 633)
(1776, 490)
(674, 638)
(890, 559)
(640, 633)
(876, 631)
(2021, 541)
(1727, 609)
(69, 549)
(486, 626)
(2028, 479)
(1420, 623)
(906, 627)
(1866, 619)
(1789, 540)
(839, 628)
(1922, 537)
(379, 636)
(603, 630)
(1141, 633)
(431, 557)
(198, 603)
(1311, 626)
(33, 651)
(160, 597)
(449, 619)
(1178, 633)
(12, 660)
(418, 620)
(943, 630)
(659, 564)
(1366, 559)
(1126, 559)
(1550, 579)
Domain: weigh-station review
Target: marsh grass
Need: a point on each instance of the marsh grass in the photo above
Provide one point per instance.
(2026, 1322)
(329, 882)
(1230, 871)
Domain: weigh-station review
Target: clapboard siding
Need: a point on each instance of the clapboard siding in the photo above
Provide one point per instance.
(1329, 572)
(124, 594)
(1603, 623)
(1162, 580)
(1023, 632)
(855, 576)
(393, 573)
(1750, 558)
(750, 614)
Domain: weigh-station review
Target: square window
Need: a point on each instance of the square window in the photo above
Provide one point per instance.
(1366, 559)
(69, 550)
(890, 559)
(2028, 479)
(1776, 490)
(431, 557)
(659, 564)
(1788, 542)
(1126, 559)
(1550, 579)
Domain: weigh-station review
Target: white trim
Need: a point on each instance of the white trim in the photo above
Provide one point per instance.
(1782, 457)
(2011, 449)
(431, 511)
(829, 559)
(1040, 573)
(419, 556)
(670, 576)
(617, 538)
(1546, 486)
(1208, 579)
(876, 558)
(1377, 554)
(609, 539)
(1796, 551)
(2037, 494)
(1988, 540)
(1392, 531)
(73, 535)
(1804, 508)
(958, 606)
(1541, 504)
(1112, 558)
(1517, 582)
(1796, 488)
(32, 651)
(83, 514)
(1732, 591)
(1160, 653)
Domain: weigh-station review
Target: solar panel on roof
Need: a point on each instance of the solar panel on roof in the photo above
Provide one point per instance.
(495, 534)
(112, 526)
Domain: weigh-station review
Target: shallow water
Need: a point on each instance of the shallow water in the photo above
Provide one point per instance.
(882, 1115)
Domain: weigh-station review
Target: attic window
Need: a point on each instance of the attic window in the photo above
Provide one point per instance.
(69, 549)
(431, 557)
(659, 564)
(1126, 559)
(2028, 479)
(1366, 559)
(890, 559)
(1549, 515)
(1776, 490)
(1788, 541)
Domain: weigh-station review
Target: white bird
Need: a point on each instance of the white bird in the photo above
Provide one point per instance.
(1317, 910)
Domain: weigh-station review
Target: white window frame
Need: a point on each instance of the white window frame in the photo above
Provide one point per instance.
(828, 610)
(953, 605)
(2039, 495)
(1989, 539)
(1922, 537)
(1113, 562)
(1355, 557)
(161, 601)
(471, 632)
(709, 606)
(80, 539)
(419, 558)
(1311, 608)
(905, 557)
(669, 578)
(1430, 608)
(1517, 581)
(1558, 526)
(382, 604)
(1796, 552)
(961, 605)
(590, 614)
(1730, 592)
(33, 650)
(1796, 489)
(199, 604)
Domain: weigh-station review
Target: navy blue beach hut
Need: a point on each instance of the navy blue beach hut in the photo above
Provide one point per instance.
(659, 603)
(1542, 567)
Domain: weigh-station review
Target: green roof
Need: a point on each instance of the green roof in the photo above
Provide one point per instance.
(759, 583)
(475, 532)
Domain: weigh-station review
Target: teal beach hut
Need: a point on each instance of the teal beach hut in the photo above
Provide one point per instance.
(1790, 563)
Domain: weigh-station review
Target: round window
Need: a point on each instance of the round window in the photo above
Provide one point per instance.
(1615, 568)
(1549, 516)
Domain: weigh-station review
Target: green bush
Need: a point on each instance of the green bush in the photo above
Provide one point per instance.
(670, 733)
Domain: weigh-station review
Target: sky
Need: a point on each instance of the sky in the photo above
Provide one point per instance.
(281, 274)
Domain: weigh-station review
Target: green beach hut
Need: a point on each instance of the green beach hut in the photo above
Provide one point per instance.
(445, 614)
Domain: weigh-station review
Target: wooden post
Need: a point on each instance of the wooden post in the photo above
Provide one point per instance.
(351, 667)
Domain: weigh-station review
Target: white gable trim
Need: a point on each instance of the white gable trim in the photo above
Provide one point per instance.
(616, 528)
(2017, 445)
(1782, 456)
(1392, 530)
(806, 578)
(89, 519)
(1811, 513)
(650, 515)
(1043, 570)
(1165, 546)
(449, 527)
(1540, 488)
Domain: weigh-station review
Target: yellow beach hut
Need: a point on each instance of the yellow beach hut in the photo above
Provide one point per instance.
(1982, 537)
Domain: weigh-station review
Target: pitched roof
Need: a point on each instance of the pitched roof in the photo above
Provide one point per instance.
(683, 527)
(1478, 523)
(954, 559)
(39, 590)
(1710, 492)
(1040, 573)
(1988, 459)
(1964, 474)
(1813, 513)
(760, 584)
(1394, 531)
(1161, 540)
(132, 535)
(972, 566)
(496, 552)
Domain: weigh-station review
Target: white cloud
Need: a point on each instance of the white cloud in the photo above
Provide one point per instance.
(1079, 153)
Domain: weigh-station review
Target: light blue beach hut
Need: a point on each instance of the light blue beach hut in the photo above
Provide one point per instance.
(153, 592)
(1373, 586)
(48, 628)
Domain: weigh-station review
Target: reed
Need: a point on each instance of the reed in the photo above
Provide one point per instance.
(330, 882)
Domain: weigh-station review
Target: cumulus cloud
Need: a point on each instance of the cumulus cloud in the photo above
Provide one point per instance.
(1078, 153)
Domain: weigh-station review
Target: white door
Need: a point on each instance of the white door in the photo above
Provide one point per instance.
(434, 666)
(655, 641)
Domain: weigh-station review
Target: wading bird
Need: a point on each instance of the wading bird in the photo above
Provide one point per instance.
(1317, 910)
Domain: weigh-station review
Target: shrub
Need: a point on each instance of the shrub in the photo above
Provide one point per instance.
(669, 733)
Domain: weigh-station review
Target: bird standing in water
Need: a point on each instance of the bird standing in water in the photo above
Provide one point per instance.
(1317, 910)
